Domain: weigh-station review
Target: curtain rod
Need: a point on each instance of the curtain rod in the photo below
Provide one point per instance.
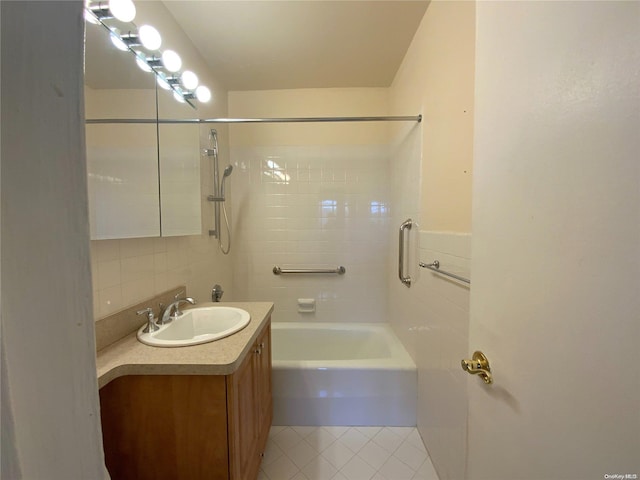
(407, 118)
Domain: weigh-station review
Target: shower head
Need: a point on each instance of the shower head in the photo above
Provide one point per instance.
(225, 174)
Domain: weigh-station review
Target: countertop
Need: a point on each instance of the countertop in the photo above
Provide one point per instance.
(128, 356)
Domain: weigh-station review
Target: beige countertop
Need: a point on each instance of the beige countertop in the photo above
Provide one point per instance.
(128, 356)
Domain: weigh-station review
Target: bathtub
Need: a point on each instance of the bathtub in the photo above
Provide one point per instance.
(341, 374)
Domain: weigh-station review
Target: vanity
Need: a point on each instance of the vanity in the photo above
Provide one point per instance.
(196, 412)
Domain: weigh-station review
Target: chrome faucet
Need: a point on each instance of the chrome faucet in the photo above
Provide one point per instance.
(173, 311)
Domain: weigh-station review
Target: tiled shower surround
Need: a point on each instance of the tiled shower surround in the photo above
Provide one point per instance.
(312, 207)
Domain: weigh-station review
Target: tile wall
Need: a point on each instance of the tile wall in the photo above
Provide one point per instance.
(313, 207)
(130, 270)
(432, 319)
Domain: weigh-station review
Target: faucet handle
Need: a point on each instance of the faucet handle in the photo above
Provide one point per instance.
(178, 295)
(151, 324)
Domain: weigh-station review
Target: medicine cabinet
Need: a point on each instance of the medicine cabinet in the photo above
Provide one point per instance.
(143, 178)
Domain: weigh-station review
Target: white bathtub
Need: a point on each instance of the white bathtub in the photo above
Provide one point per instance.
(341, 374)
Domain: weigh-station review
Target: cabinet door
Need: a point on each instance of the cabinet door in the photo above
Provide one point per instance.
(165, 427)
(243, 419)
(265, 402)
(250, 407)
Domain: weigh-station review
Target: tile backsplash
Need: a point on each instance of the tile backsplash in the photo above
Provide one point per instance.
(129, 270)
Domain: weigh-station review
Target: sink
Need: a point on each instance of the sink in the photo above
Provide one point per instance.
(196, 326)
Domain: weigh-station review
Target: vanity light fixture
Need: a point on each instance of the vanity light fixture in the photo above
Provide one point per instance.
(142, 62)
(162, 81)
(171, 60)
(189, 80)
(123, 10)
(117, 41)
(203, 94)
(150, 37)
(144, 42)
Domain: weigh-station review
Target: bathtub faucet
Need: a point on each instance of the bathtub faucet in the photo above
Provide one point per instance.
(216, 293)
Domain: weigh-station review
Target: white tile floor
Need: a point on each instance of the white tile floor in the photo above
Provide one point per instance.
(346, 453)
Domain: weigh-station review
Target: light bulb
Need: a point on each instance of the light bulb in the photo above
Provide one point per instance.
(150, 37)
(171, 60)
(203, 94)
(123, 10)
(163, 83)
(117, 41)
(189, 80)
(142, 63)
(178, 97)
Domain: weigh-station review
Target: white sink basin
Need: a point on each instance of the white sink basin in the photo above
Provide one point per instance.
(197, 325)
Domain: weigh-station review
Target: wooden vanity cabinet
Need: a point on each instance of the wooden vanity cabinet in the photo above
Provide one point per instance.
(190, 427)
(250, 407)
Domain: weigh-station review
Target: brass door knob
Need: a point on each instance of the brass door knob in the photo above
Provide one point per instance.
(478, 365)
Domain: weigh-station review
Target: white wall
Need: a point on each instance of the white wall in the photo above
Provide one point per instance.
(431, 183)
(556, 241)
(48, 371)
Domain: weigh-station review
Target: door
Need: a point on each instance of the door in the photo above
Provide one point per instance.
(556, 242)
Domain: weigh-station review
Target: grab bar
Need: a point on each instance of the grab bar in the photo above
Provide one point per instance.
(406, 225)
(435, 266)
(279, 271)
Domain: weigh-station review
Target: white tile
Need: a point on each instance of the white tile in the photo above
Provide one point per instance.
(320, 439)
(410, 455)
(394, 469)
(402, 432)
(272, 452)
(426, 472)
(354, 439)
(357, 469)
(415, 439)
(319, 469)
(301, 454)
(108, 274)
(287, 438)
(338, 454)
(388, 440)
(305, 431)
(275, 429)
(374, 455)
(336, 431)
(339, 476)
(369, 432)
(281, 469)
(300, 476)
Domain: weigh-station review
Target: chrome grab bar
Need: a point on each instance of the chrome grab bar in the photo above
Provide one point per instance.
(435, 266)
(406, 225)
(279, 271)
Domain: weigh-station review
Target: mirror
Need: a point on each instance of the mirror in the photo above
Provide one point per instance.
(179, 149)
(143, 179)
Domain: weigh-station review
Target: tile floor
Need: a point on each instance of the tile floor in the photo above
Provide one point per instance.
(346, 453)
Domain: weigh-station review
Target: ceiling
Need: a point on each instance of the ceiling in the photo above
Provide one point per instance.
(260, 45)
